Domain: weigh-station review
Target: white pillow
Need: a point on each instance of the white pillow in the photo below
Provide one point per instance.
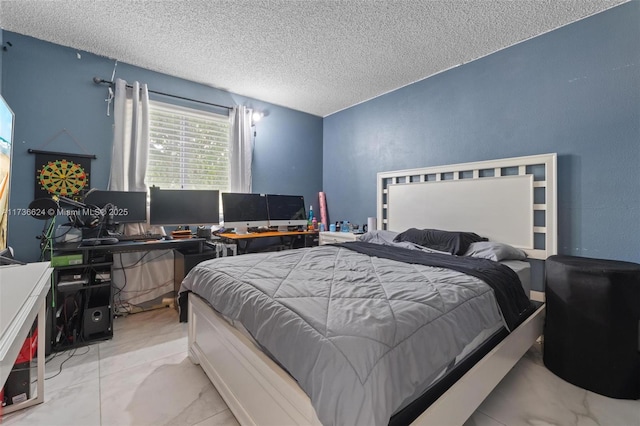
(495, 251)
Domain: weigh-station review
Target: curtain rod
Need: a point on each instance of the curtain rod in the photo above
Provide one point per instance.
(99, 80)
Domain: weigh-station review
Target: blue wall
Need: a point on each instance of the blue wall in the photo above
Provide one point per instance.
(50, 88)
(574, 91)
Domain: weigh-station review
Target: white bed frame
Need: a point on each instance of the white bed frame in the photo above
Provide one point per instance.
(259, 392)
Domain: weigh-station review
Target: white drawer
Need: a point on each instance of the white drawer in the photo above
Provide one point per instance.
(336, 237)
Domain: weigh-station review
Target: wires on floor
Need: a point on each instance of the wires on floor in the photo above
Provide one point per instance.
(123, 306)
(72, 353)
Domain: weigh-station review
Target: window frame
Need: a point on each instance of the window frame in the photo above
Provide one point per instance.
(188, 114)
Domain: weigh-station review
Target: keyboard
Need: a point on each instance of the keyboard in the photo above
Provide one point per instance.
(98, 241)
(139, 237)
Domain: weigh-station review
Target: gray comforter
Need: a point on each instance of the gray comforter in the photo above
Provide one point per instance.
(360, 334)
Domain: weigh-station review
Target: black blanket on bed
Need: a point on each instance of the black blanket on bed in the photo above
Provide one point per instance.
(514, 304)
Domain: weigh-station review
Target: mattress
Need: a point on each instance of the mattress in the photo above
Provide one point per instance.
(323, 314)
(523, 270)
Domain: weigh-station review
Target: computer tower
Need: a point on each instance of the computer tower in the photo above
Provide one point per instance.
(18, 384)
(17, 388)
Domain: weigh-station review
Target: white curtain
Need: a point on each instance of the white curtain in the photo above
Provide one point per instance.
(241, 149)
(144, 276)
(130, 152)
(131, 137)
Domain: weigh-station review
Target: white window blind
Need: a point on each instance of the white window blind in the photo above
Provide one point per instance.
(189, 149)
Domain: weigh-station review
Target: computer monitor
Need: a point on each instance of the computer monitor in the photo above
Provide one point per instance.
(184, 206)
(286, 210)
(242, 211)
(121, 206)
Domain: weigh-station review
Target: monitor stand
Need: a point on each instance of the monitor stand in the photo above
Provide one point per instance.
(242, 230)
(283, 228)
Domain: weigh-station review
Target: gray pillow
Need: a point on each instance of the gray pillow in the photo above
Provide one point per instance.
(378, 236)
(495, 251)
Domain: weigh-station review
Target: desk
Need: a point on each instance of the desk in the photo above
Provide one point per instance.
(196, 244)
(248, 238)
(23, 291)
(83, 293)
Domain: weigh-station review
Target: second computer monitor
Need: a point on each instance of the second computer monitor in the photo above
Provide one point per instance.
(242, 211)
(286, 210)
(120, 206)
(183, 206)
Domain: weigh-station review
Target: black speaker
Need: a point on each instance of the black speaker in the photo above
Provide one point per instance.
(96, 317)
(96, 320)
(203, 232)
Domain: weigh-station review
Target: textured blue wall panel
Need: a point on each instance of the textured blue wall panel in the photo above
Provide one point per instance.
(574, 91)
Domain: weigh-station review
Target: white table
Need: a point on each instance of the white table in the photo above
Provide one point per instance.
(23, 293)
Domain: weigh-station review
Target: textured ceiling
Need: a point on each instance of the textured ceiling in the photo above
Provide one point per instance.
(314, 56)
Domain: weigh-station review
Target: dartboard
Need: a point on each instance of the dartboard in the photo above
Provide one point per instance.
(62, 177)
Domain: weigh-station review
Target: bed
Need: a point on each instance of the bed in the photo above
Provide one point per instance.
(355, 325)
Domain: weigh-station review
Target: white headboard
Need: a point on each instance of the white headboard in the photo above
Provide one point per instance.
(510, 200)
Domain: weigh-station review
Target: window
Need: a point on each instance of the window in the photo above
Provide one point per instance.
(189, 149)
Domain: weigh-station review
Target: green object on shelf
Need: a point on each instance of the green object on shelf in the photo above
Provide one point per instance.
(67, 260)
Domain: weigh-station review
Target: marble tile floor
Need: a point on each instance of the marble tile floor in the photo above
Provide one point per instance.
(144, 377)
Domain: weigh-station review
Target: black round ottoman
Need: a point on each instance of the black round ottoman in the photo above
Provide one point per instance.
(591, 336)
